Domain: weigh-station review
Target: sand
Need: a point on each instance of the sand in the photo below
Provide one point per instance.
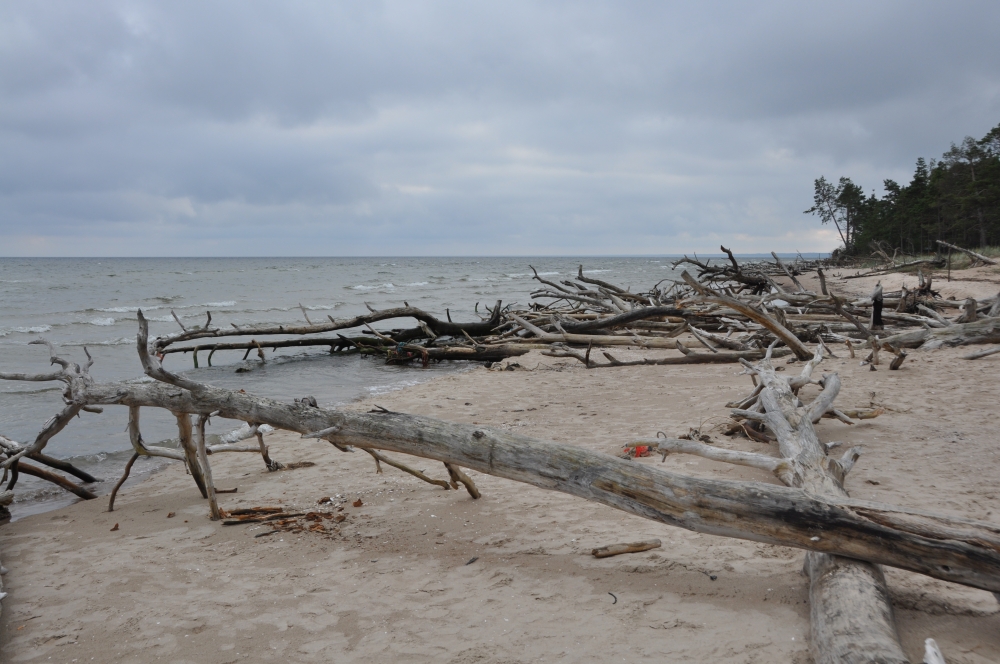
(397, 584)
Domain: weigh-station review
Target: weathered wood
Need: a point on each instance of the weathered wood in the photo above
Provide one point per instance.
(120, 482)
(184, 434)
(206, 469)
(851, 614)
(759, 317)
(969, 314)
(595, 339)
(406, 469)
(440, 327)
(458, 477)
(851, 617)
(983, 331)
(629, 547)
(953, 549)
(968, 252)
(139, 446)
(58, 480)
(11, 447)
(982, 353)
(605, 322)
(690, 358)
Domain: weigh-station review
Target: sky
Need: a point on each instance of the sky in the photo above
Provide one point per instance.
(469, 128)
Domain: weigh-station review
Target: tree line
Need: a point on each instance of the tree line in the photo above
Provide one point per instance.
(955, 199)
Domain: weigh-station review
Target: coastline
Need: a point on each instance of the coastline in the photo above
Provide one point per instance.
(395, 584)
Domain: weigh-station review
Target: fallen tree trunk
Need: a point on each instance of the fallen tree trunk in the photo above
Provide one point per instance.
(968, 252)
(851, 617)
(58, 480)
(439, 327)
(983, 331)
(642, 313)
(949, 548)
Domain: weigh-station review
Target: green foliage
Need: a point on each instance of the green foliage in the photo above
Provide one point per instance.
(956, 199)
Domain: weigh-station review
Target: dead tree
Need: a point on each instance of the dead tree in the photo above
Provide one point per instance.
(851, 615)
(977, 258)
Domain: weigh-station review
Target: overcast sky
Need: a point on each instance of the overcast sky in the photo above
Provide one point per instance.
(468, 128)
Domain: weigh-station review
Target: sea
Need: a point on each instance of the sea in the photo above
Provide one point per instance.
(92, 302)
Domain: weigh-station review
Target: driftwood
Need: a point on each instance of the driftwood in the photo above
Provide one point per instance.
(982, 353)
(439, 327)
(759, 317)
(688, 357)
(944, 547)
(968, 252)
(983, 331)
(851, 617)
(630, 547)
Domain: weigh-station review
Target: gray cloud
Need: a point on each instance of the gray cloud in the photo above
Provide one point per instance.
(395, 128)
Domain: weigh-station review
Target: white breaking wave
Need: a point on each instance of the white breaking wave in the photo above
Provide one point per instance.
(127, 310)
(120, 341)
(364, 287)
(103, 321)
(418, 283)
(35, 329)
(227, 303)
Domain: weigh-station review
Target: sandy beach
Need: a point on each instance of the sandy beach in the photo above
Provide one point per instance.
(420, 574)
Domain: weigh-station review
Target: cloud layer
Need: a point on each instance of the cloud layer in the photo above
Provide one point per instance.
(253, 128)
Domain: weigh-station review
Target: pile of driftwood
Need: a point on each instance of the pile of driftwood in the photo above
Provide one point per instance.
(733, 313)
(727, 312)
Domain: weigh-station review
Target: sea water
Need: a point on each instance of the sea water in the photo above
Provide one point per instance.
(92, 303)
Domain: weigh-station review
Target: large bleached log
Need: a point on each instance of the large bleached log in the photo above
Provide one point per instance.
(968, 252)
(851, 615)
(852, 618)
(949, 548)
(983, 331)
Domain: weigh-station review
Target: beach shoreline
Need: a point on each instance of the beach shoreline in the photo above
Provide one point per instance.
(398, 581)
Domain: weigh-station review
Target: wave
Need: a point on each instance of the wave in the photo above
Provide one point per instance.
(34, 329)
(103, 321)
(364, 287)
(125, 310)
(120, 341)
(224, 303)
(316, 307)
(418, 283)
